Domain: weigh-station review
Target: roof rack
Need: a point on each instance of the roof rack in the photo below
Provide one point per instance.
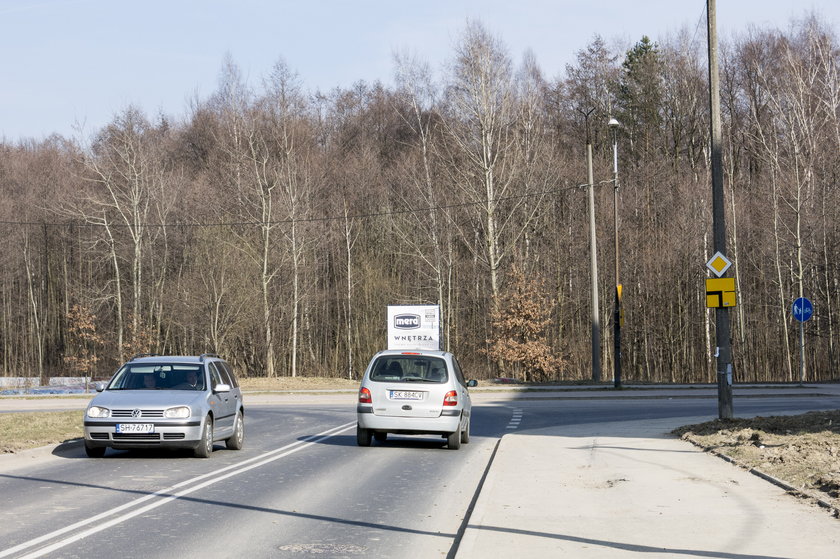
(139, 355)
(203, 355)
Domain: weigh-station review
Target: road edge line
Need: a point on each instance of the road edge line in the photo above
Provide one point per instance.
(462, 529)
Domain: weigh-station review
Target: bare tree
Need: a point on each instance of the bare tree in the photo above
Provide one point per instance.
(479, 126)
(293, 139)
(125, 175)
(253, 174)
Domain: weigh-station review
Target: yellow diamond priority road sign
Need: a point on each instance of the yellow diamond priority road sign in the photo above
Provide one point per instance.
(718, 264)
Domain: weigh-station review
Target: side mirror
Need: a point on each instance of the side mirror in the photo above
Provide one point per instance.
(99, 386)
(471, 383)
(221, 388)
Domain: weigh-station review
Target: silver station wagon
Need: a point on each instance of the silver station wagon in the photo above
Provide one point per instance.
(156, 401)
(414, 393)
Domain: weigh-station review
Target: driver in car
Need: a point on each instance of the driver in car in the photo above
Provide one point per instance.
(190, 382)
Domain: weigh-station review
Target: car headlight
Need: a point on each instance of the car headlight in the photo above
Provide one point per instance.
(96, 411)
(181, 412)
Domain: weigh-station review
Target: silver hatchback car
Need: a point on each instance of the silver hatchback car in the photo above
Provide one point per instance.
(156, 401)
(414, 393)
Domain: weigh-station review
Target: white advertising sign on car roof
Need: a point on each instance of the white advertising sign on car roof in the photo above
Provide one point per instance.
(414, 327)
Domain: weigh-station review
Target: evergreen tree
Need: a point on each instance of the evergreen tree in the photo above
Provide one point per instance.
(640, 95)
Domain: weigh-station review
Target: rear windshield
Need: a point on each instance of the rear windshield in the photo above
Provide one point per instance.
(158, 376)
(409, 368)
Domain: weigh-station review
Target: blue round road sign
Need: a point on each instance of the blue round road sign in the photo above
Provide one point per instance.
(802, 309)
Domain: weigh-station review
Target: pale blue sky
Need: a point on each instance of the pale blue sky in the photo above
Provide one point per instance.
(78, 62)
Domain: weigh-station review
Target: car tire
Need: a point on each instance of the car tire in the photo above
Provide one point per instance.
(94, 451)
(453, 440)
(205, 446)
(363, 436)
(380, 437)
(237, 440)
(465, 434)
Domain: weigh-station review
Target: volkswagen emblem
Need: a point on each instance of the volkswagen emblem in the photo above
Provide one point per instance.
(136, 413)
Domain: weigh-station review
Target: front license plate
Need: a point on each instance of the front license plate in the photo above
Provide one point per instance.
(135, 427)
(406, 395)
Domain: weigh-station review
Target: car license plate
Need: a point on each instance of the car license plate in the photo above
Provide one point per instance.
(406, 395)
(135, 427)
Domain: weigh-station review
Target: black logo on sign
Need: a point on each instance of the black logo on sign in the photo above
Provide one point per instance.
(407, 321)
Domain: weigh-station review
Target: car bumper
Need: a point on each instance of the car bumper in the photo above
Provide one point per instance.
(178, 434)
(441, 425)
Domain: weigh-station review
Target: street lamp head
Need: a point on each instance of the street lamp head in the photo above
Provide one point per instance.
(613, 123)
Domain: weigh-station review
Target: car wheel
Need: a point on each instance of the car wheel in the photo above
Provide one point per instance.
(380, 437)
(453, 440)
(465, 434)
(205, 446)
(94, 451)
(237, 440)
(363, 436)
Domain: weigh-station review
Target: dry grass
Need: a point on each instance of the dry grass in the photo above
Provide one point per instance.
(19, 431)
(298, 384)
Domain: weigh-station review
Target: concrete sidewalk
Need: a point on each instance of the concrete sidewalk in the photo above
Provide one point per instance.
(631, 489)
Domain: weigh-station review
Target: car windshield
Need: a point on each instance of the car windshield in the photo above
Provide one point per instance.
(158, 376)
(409, 368)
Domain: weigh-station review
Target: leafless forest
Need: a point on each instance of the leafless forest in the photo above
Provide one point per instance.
(273, 225)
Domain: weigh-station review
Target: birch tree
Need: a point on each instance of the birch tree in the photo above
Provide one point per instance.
(253, 175)
(286, 108)
(125, 176)
(479, 126)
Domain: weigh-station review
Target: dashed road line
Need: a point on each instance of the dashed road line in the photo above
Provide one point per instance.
(516, 419)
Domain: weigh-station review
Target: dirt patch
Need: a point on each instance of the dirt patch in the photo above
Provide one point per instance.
(803, 451)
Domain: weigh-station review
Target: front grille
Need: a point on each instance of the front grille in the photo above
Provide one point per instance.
(136, 437)
(174, 436)
(99, 436)
(143, 413)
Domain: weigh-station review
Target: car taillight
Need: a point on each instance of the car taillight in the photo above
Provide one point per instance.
(451, 398)
(364, 396)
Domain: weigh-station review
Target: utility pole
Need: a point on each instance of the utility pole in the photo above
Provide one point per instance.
(722, 337)
(617, 314)
(593, 256)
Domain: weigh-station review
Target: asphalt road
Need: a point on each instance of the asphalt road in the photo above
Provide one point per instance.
(300, 488)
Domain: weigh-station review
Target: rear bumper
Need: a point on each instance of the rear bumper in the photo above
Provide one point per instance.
(442, 425)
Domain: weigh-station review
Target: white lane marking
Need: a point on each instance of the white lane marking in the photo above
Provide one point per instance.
(166, 495)
(516, 419)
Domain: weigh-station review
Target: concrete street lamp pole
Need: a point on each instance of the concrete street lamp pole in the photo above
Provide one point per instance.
(593, 257)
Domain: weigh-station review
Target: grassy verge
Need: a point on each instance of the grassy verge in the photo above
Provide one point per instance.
(19, 431)
(297, 384)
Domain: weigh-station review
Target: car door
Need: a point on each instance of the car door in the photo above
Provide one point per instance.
(229, 377)
(223, 403)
